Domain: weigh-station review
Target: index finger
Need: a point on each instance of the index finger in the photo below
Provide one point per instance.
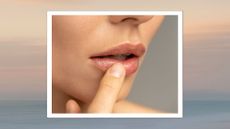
(109, 89)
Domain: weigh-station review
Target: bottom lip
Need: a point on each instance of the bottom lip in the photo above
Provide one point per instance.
(130, 65)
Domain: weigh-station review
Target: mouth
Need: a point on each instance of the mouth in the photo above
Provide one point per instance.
(126, 54)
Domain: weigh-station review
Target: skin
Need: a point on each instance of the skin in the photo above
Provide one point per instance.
(78, 85)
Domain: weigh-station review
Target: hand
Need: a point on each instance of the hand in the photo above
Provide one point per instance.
(106, 96)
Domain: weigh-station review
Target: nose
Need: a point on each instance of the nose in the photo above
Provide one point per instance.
(129, 18)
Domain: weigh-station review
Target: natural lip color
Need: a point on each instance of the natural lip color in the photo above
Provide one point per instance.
(131, 65)
(136, 49)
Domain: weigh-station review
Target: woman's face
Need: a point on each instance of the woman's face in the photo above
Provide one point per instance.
(84, 47)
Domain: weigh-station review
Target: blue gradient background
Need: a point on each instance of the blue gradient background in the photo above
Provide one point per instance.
(23, 65)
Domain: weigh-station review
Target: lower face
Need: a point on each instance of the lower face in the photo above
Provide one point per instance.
(77, 41)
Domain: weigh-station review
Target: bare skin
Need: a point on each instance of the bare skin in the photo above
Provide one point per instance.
(78, 86)
(106, 100)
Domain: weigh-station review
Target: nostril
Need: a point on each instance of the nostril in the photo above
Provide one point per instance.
(133, 19)
(128, 19)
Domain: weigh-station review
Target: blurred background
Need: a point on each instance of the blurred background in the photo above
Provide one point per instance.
(156, 83)
(206, 64)
(23, 45)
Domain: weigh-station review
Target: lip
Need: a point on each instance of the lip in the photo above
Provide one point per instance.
(131, 65)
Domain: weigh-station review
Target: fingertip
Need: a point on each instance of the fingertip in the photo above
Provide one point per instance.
(117, 70)
(72, 106)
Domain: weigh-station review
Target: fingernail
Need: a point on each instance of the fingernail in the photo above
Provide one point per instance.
(117, 70)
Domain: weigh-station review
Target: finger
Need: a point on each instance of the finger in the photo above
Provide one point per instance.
(109, 89)
(72, 106)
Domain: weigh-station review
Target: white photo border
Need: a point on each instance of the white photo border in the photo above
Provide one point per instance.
(179, 114)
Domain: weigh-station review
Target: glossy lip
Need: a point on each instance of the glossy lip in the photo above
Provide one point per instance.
(130, 65)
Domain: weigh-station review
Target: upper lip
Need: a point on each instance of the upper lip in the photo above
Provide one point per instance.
(127, 48)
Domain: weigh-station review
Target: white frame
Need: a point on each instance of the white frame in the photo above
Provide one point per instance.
(179, 114)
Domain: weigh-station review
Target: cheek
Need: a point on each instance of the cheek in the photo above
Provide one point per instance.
(78, 85)
(74, 76)
(71, 71)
